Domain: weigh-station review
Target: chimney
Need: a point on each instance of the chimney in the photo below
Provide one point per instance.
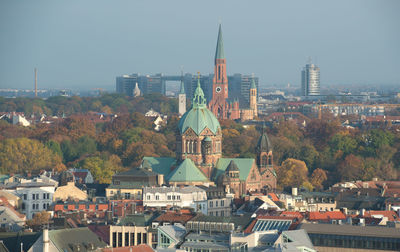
(46, 241)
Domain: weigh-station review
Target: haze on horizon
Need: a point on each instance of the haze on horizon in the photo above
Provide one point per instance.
(86, 44)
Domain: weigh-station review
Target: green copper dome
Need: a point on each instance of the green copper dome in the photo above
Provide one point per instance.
(198, 117)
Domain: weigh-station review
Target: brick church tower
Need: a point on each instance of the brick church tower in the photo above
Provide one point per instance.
(218, 104)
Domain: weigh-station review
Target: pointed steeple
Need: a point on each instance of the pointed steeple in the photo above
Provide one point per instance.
(253, 84)
(264, 145)
(182, 90)
(199, 101)
(219, 52)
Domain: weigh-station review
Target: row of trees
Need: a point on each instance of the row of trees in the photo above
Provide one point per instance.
(107, 103)
(317, 155)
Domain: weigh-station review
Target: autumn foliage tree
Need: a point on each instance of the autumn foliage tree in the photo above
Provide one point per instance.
(18, 155)
(292, 173)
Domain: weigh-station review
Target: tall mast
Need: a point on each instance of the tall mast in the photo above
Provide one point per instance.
(35, 82)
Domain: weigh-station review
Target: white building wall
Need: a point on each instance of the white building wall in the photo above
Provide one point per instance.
(34, 199)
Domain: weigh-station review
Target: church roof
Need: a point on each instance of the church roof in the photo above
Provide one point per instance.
(219, 52)
(232, 166)
(186, 172)
(263, 142)
(244, 165)
(198, 117)
(253, 84)
(182, 89)
(160, 165)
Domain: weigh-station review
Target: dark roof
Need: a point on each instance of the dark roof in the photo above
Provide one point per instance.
(241, 221)
(3, 247)
(140, 220)
(333, 229)
(65, 239)
(13, 240)
(232, 166)
(263, 142)
(138, 172)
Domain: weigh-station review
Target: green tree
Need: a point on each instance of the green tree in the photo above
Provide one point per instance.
(23, 154)
(292, 173)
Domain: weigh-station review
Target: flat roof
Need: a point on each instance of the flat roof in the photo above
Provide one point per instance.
(367, 231)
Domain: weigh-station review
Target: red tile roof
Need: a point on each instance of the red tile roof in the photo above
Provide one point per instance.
(292, 214)
(326, 216)
(138, 248)
(174, 217)
(273, 197)
(391, 215)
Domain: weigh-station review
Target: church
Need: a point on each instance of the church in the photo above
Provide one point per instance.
(199, 158)
(221, 105)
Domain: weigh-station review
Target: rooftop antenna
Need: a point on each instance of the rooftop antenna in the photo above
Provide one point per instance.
(309, 61)
(182, 73)
(35, 82)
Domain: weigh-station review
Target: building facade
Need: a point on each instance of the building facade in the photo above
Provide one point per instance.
(36, 194)
(310, 83)
(188, 196)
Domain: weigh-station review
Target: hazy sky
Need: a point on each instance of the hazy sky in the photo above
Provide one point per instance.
(87, 43)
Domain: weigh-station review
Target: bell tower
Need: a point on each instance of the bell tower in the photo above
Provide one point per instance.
(218, 104)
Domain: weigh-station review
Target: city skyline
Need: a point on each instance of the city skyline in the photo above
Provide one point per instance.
(78, 44)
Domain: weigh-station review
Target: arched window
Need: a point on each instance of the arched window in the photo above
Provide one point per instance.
(269, 160)
(195, 146)
(219, 72)
(187, 146)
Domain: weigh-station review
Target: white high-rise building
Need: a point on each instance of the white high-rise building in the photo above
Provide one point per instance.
(310, 80)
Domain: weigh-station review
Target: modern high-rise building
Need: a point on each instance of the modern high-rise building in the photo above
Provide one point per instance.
(310, 80)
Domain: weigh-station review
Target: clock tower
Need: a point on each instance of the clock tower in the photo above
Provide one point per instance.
(218, 104)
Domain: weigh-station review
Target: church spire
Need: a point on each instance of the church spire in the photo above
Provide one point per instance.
(219, 52)
(182, 89)
(199, 101)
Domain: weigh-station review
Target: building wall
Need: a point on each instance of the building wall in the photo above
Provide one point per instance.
(122, 236)
(174, 198)
(219, 207)
(134, 193)
(34, 199)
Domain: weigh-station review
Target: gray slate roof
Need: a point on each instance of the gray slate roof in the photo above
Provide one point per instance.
(369, 231)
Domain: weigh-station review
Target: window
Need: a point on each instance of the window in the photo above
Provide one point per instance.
(148, 197)
(173, 197)
(211, 204)
(157, 197)
(178, 197)
(44, 195)
(25, 196)
(216, 203)
(33, 206)
(33, 196)
(44, 206)
(127, 195)
(222, 213)
(169, 197)
(111, 192)
(23, 206)
(222, 202)
(216, 213)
